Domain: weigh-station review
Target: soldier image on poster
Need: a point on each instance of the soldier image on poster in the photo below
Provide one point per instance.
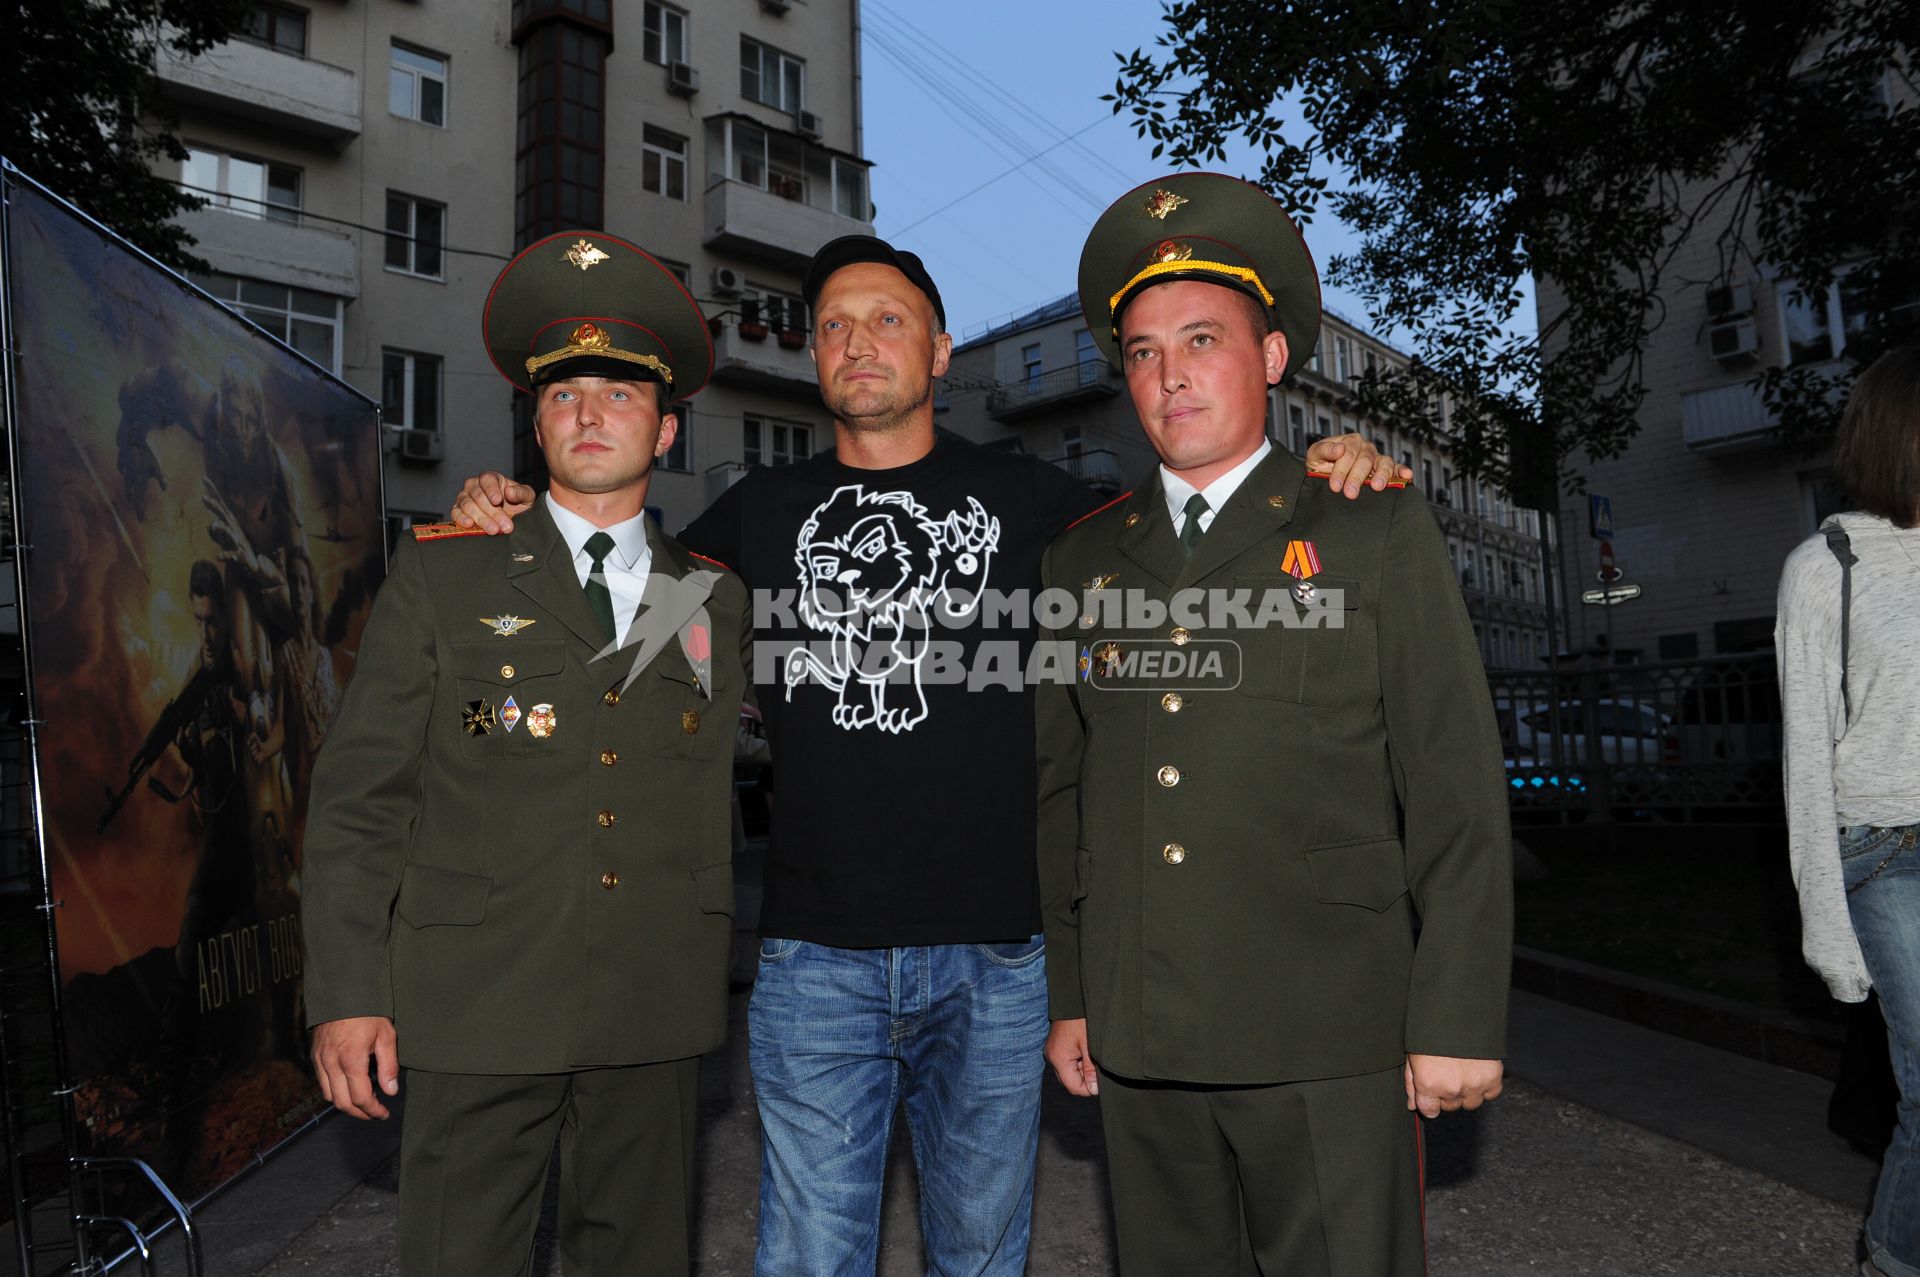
(204, 514)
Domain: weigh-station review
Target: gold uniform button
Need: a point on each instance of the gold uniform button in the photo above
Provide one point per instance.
(608, 758)
(1173, 853)
(1169, 775)
(612, 697)
(1172, 702)
(506, 671)
(689, 721)
(609, 880)
(606, 819)
(1181, 636)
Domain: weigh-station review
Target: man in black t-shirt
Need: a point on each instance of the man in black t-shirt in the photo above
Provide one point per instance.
(901, 959)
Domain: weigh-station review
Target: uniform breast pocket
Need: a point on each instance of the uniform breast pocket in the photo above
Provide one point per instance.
(681, 720)
(1297, 649)
(510, 695)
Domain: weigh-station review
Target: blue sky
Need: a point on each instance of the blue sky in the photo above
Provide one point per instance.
(984, 85)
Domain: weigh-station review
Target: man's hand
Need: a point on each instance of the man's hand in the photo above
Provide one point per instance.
(489, 502)
(340, 1052)
(1067, 1053)
(1348, 461)
(1439, 1084)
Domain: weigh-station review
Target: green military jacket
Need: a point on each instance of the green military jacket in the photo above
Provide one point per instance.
(527, 901)
(1233, 860)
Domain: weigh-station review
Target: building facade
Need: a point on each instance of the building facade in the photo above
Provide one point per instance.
(371, 166)
(1037, 383)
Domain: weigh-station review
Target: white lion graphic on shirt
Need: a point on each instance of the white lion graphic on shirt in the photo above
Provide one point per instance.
(875, 572)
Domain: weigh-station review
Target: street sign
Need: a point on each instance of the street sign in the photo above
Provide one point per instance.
(1609, 570)
(1600, 517)
(1611, 595)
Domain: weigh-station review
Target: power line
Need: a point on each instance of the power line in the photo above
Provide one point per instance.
(1003, 173)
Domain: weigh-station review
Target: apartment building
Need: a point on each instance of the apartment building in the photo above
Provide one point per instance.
(1035, 382)
(371, 164)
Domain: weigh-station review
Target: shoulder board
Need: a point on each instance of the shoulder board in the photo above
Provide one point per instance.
(1321, 474)
(704, 559)
(442, 531)
(1108, 506)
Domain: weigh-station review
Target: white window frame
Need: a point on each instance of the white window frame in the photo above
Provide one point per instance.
(410, 237)
(219, 192)
(653, 153)
(770, 431)
(414, 367)
(278, 320)
(1033, 366)
(415, 77)
(664, 30)
(780, 63)
(1296, 428)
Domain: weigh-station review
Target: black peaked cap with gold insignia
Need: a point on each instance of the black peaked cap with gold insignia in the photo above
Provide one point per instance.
(1204, 226)
(584, 304)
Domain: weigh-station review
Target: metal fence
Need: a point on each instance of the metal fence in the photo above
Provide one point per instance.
(1695, 741)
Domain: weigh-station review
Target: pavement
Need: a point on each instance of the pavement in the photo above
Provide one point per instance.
(1617, 1150)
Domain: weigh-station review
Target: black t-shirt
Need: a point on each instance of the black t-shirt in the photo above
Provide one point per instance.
(903, 758)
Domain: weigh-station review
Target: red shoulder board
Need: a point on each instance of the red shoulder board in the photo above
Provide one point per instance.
(441, 531)
(704, 559)
(1321, 474)
(1108, 506)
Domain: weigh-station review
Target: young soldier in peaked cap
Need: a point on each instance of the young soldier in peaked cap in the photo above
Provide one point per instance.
(518, 885)
(1232, 961)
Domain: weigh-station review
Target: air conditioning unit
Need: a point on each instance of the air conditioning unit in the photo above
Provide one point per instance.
(1729, 301)
(422, 447)
(683, 79)
(725, 281)
(806, 124)
(776, 7)
(1734, 341)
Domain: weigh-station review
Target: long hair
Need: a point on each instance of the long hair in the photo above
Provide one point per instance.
(1876, 454)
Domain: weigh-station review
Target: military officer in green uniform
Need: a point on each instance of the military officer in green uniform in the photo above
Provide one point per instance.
(1232, 953)
(518, 881)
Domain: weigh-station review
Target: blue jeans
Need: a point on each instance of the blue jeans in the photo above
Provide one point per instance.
(1882, 871)
(837, 1037)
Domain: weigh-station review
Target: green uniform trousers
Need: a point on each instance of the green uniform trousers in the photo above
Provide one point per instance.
(474, 1150)
(1298, 1179)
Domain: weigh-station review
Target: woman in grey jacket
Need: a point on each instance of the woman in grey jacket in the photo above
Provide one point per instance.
(1850, 687)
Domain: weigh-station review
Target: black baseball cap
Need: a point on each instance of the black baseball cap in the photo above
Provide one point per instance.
(849, 249)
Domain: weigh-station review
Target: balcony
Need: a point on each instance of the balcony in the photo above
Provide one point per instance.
(310, 100)
(1093, 379)
(1099, 469)
(776, 197)
(279, 251)
(749, 351)
(778, 229)
(1727, 419)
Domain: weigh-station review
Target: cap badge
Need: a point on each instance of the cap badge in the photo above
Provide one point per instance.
(1168, 251)
(585, 255)
(590, 337)
(1163, 202)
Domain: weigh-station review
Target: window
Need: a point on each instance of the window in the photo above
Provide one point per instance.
(1366, 360)
(560, 146)
(1679, 647)
(416, 230)
(768, 76)
(768, 442)
(251, 188)
(680, 456)
(1317, 363)
(785, 312)
(307, 321)
(663, 163)
(1426, 476)
(1070, 441)
(1817, 328)
(665, 38)
(1296, 428)
(409, 390)
(1031, 365)
(678, 270)
(1086, 356)
(1343, 358)
(278, 27)
(850, 190)
(417, 85)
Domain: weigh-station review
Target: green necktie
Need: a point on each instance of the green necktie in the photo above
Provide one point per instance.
(599, 546)
(1190, 531)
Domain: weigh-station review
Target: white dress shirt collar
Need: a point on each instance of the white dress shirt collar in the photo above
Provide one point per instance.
(1178, 490)
(629, 536)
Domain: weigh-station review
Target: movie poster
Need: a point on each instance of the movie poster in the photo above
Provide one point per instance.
(204, 515)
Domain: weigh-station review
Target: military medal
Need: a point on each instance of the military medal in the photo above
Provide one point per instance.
(1302, 559)
(1108, 657)
(1304, 592)
(510, 715)
(478, 718)
(540, 721)
(506, 626)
